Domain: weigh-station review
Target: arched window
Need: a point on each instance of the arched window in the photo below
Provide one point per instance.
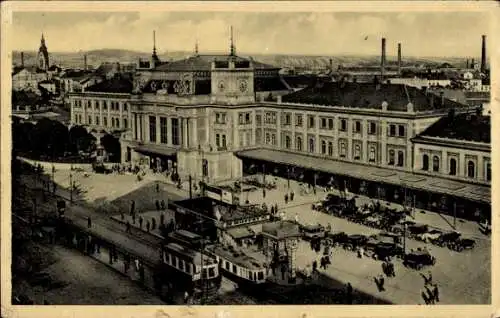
(425, 162)
(435, 164)
(330, 148)
(288, 142)
(471, 169)
(311, 145)
(371, 157)
(268, 138)
(343, 150)
(453, 167)
(323, 147)
(357, 152)
(298, 144)
(401, 159)
(392, 155)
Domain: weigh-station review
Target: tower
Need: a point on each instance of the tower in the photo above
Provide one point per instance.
(155, 60)
(232, 49)
(43, 56)
(399, 58)
(382, 60)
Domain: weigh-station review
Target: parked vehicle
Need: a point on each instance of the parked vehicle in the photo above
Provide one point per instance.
(384, 250)
(448, 239)
(355, 241)
(430, 236)
(419, 259)
(415, 230)
(339, 238)
(313, 231)
(464, 244)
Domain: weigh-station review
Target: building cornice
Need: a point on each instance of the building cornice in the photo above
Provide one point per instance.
(453, 143)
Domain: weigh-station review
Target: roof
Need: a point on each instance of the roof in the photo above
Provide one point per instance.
(204, 63)
(242, 212)
(281, 229)
(114, 85)
(240, 232)
(468, 127)
(25, 98)
(75, 74)
(368, 95)
(473, 192)
(195, 256)
(236, 257)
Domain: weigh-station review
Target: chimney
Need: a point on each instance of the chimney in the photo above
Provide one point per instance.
(22, 59)
(331, 64)
(382, 61)
(483, 55)
(467, 64)
(472, 64)
(399, 58)
(85, 62)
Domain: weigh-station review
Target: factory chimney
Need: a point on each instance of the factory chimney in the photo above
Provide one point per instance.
(22, 59)
(399, 58)
(382, 61)
(85, 62)
(483, 55)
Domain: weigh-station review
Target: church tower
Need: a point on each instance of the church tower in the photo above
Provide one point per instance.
(43, 56)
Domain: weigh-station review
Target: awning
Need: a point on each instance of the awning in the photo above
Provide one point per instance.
(156, 150)
(474, 192)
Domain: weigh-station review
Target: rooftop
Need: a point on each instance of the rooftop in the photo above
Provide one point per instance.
(114, 85)
(236, 257)
(281, 229)
(241, 212)
(240, 232)
(468, 127)
(368, 95)
(204, 63)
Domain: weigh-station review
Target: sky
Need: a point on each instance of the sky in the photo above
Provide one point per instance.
(456, 34)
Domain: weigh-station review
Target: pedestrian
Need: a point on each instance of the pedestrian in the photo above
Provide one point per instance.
(435, 292)
(314, 190)
(276, 207)
(133, 218)
(162, 204)
(315, 266)
(140, 222)
(429, 278)
(263, 193)
(349, 293)
(296, 218)
(157, 187)
(381, 282)
(89, 222)
(425, 297)
(157, 203)
(292, 195)
(148, 225)
(430, 295)
(272, 210)
(127, 229)
(186, 297)
(286, 198)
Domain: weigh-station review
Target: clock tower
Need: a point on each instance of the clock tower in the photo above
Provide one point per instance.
(43, 56)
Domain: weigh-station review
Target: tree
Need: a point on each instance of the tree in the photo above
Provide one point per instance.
(22, 136)
(50, 138)
(81, 140)
(112, 146)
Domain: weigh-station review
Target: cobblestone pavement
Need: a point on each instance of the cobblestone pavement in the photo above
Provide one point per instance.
(464, 278)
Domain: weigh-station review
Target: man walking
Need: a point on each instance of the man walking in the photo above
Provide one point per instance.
(435, 292)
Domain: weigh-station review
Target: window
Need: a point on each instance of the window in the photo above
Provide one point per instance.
(204, 164)
(288, 119)
(217, 140)
(152, 128)
(163, 130)
(298, 143)
(330, 148)
(401, 130)
(117, 122)
(181, 265)
(270, 118)
(224, 141)
(288, 142)
(227, 265)
(425, 162)
(273, 139)
(323, 147)
(241, 119)
(105, 105)
(357, 127)
(372, 128)
(105, 121)
(471, 169)
(310, 121)
(125, 107)
(392, 155)
(249, 138)
(175, 261)
(343, 125)
(298, 120)
(90, 120)
(330, 123)
(357, 152)
(401, 159)
(435, 164)
(125, 123)
(343, 150)
(258, 119)
(234, 268)
(260, 276)
(97, 120)
(453, 167)
(311, 145)
(392, 130)
(217, 118)
(488, 171)
(371, 156)
(323, 123)
(268, 138)
(258, 136)
(175, 131)
(169, 258)
(247, 118)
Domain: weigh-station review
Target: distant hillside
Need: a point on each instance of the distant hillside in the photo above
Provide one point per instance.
(96, 57)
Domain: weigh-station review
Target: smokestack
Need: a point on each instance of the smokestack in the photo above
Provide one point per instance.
(467, 64)
(382, 61)
(22, 59)
(399, 58)
(472, 64)
(85, 62)
(483, 55)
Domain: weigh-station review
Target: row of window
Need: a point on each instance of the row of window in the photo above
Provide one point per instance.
(163, 130)
(186, 267)
(115, 121)
(115, 106)
(452, 168)
(255, 276)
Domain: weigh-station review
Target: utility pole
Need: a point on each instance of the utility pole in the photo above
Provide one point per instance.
(190, 187)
